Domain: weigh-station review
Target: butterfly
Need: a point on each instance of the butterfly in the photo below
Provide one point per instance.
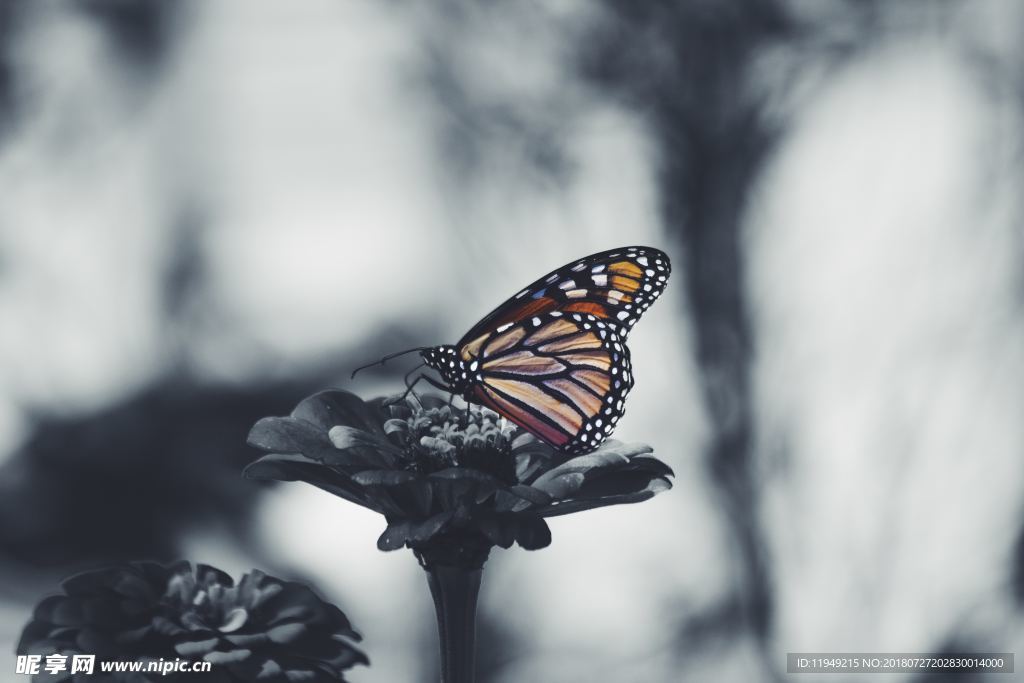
(553, 358)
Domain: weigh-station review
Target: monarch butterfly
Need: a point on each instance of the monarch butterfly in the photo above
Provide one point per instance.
(553, 358)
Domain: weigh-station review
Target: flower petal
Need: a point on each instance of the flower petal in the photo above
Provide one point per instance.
(383, 477)
(279, 467)
(582, 464)
(566, 507)
(411, 531)
(287, 633)
(268, 619)
(651, 464)
(497, 528)
(560, 485)
(396, 426)
(344, 438)
(629, 450)
(465, 474)
(288, 435)
(191, 648)
(395, 536)
(635, 476)
(519, 497)
(334, 407)
(229, 657)
(525, 440)
(533, 533)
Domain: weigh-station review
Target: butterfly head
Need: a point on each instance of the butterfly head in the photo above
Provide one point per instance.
(454, 371)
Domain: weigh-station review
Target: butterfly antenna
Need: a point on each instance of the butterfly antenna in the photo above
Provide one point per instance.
(388, 357)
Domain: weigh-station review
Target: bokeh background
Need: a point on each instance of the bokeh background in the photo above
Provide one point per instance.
(211, 208)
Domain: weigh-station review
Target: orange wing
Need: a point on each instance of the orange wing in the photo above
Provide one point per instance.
(562, 377)
(616, 286)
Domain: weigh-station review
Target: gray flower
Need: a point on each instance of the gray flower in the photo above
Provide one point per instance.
(262, 629)
(449, 481)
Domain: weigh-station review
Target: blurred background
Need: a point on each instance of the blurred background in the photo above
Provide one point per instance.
(210, 209)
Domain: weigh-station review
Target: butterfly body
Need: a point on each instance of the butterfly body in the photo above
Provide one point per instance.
(457, 373)
(553, 358)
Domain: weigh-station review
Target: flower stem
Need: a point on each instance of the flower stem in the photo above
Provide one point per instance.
(455, 591)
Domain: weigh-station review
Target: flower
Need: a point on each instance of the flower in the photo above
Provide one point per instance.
(451, 483)
(261, 629)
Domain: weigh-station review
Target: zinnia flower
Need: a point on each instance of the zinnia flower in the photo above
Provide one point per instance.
(451, 483)
(262, 629)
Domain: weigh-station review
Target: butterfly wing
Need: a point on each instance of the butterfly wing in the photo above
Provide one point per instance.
(616, 286)
(562, 377)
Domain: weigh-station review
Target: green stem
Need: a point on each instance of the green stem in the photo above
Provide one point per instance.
(455, 591)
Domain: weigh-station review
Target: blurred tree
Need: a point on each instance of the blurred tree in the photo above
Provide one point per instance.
(143, 30)
(131, 480)
(8, 20)
(688, 66)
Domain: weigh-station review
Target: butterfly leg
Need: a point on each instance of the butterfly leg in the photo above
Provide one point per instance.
(409, 386)
(409, 374)
(435, 383)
